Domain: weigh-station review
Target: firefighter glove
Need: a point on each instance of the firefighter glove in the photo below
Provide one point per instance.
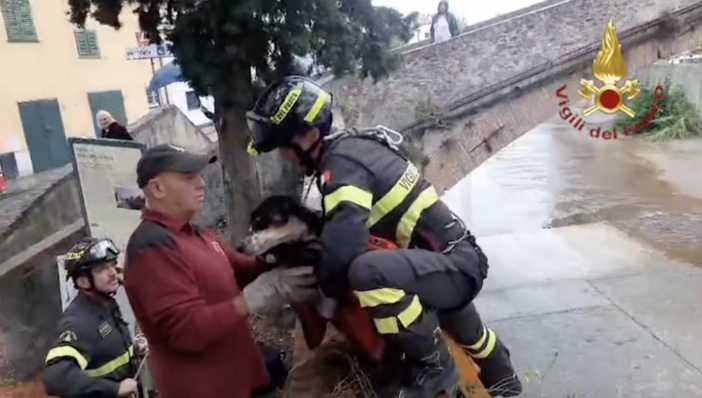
(280, 286)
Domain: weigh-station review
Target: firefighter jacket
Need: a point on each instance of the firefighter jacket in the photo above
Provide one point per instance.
(93, 352)
(369, 188)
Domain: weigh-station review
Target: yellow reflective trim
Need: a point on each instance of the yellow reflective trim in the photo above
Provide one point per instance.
(376, 297)
(251, 148)
(348, 193)
(407, 317)
(386, 325)
(395, 196)
(409, 220)
(74, 255)
(286, 106)
(67, 352)
(492, 340)
(411, 313)
(480, 342)
(113, 364)
(316, 107)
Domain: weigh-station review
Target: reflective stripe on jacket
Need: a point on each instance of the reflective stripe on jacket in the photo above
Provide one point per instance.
(369, 189)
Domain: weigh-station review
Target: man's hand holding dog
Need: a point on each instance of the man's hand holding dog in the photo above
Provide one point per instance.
(279, 286)
(299, 284)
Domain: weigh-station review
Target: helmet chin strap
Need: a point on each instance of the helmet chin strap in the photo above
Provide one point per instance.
(305, 156)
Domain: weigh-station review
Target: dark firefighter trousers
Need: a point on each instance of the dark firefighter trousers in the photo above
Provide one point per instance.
(410, 293)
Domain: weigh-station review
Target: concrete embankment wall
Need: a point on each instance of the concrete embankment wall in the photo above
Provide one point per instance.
(26, 220)
(30, 304)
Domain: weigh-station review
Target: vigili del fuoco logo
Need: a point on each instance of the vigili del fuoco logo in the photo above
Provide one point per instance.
(608, 68)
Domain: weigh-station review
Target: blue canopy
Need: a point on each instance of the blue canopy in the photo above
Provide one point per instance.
(169, 73)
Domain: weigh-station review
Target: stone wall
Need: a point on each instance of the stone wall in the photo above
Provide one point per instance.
(30, 304)
(489, 86)
(484, 125)
(498, 19)
(46, 205)
(438, 75)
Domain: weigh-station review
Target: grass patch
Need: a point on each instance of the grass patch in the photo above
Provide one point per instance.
(677, 118)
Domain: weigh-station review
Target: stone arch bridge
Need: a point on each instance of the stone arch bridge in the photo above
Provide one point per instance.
(462, 101)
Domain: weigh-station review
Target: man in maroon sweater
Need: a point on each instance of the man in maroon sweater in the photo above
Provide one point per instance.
(179, 281)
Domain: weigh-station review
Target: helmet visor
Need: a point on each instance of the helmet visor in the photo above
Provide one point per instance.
(103, 250)
(262, 137)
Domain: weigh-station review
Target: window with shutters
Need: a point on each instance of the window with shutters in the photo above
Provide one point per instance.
(19, 25)
(86, 43)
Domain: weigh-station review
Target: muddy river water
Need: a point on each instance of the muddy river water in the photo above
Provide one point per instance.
(555, 176)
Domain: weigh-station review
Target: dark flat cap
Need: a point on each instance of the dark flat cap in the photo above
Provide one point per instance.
(167, 157)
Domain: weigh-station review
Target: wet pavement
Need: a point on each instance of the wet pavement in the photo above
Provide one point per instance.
(594, 249)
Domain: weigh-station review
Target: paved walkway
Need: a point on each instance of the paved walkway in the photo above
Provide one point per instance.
(585, 309)
(590, 313)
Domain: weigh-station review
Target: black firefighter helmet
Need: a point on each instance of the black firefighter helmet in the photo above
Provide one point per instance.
(87, 253)
(286, 109)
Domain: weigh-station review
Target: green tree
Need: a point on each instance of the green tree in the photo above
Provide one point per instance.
(231, 49)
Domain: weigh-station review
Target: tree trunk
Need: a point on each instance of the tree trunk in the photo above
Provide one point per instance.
(241, 185)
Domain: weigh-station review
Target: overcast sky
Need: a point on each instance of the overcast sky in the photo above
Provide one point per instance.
(473, 10)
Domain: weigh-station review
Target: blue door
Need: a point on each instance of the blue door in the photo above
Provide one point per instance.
(44, 134)
(111, 101)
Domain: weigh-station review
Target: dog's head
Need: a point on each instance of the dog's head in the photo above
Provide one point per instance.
(280, 221)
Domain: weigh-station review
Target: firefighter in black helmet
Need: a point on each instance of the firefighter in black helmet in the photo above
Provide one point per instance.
(370, 188)
(93, 355)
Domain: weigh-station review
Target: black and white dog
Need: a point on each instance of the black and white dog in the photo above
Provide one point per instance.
(284, 231)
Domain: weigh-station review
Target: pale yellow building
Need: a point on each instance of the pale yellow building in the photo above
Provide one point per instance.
(54, 77)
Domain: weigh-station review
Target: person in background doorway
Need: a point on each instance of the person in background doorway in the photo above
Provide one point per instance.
(110, 128)
(185, 287)
(444, 26)
(94, 354)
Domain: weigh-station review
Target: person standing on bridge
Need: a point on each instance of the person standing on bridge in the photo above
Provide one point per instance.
(370, 189)
(444, 26)
(185, 287)
(94, 355)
